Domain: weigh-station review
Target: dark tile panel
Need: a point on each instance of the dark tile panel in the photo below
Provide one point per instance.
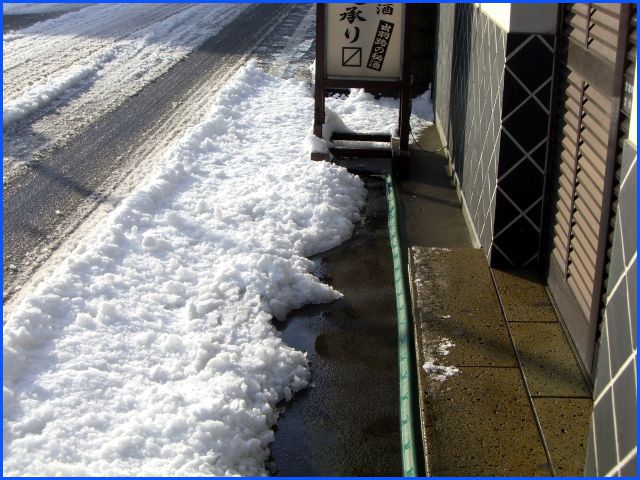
(616, 264)
(528, 124)
(531, 60)
(632, 285)
(631, 468)
(627, 199)
(624, 394)
(506, 212)
(628, 155)
(519, 243)
(603, 369)
(605, 434)
(525, 118)
(590, 468)
(523, 185)
(619, 327)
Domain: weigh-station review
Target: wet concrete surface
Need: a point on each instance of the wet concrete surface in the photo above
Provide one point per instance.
(518, 404)
(432, 213)
(348, 422)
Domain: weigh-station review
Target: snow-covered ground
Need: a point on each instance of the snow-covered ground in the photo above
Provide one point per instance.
(151, 349)
(30, 8)
(62, 74)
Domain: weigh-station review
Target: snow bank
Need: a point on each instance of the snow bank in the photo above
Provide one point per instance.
(29, 8)
(151, 350)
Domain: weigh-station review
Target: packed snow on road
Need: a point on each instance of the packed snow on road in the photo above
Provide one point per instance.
(33, 8)
(68, 71)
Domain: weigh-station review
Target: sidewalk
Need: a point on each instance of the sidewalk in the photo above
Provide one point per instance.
(503, 394)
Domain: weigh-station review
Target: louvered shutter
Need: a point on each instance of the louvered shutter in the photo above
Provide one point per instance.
(593, 47)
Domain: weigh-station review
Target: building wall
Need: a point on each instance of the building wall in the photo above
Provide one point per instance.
(492, 108)
(612, 448)
(492, 105)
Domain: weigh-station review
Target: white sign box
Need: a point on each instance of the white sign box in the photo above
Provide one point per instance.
(364, 41)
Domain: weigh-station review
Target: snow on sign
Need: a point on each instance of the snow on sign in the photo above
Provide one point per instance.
(364, 40)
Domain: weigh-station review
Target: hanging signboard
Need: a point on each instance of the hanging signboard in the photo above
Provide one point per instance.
(364, 40)
(364, 45)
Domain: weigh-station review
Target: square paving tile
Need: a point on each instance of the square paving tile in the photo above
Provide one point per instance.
(547, 360)
(481, 424)
(523, 296)
(454, 300)
(565, 423)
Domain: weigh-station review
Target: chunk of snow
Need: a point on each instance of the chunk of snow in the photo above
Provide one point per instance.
(438, 372)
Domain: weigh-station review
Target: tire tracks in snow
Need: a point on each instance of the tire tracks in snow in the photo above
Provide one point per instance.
(52, 207)
(120, 65)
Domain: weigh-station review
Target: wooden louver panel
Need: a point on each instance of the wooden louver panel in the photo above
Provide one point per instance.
(585, 134)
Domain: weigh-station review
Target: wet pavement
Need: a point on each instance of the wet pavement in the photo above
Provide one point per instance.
(348, 422)
(504, 394)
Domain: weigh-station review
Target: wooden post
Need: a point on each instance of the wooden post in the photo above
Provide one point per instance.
(319, 119)
(319, 115)
(405, 93)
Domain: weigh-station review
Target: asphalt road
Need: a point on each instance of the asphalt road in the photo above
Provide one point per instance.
(48, 201)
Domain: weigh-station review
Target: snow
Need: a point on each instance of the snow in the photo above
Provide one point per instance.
(438, 372)
(151, 350)
(361, 112)
(89, 61)
(433, 367)
(42, 95)
(31, 8)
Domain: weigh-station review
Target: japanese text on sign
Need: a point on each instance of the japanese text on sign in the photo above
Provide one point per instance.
(364, 40)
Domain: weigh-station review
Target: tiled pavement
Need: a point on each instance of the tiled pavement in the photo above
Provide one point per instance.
(518, 404)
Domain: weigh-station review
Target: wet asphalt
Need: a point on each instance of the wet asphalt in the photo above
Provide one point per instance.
(348, 422)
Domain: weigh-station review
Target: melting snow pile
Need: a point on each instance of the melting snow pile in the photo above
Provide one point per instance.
(151, 350)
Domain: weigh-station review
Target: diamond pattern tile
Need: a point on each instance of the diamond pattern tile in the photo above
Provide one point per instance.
(492, 101)
(525, 118)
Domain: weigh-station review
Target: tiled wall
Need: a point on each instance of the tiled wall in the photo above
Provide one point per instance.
(612, 446)
(492, 105)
